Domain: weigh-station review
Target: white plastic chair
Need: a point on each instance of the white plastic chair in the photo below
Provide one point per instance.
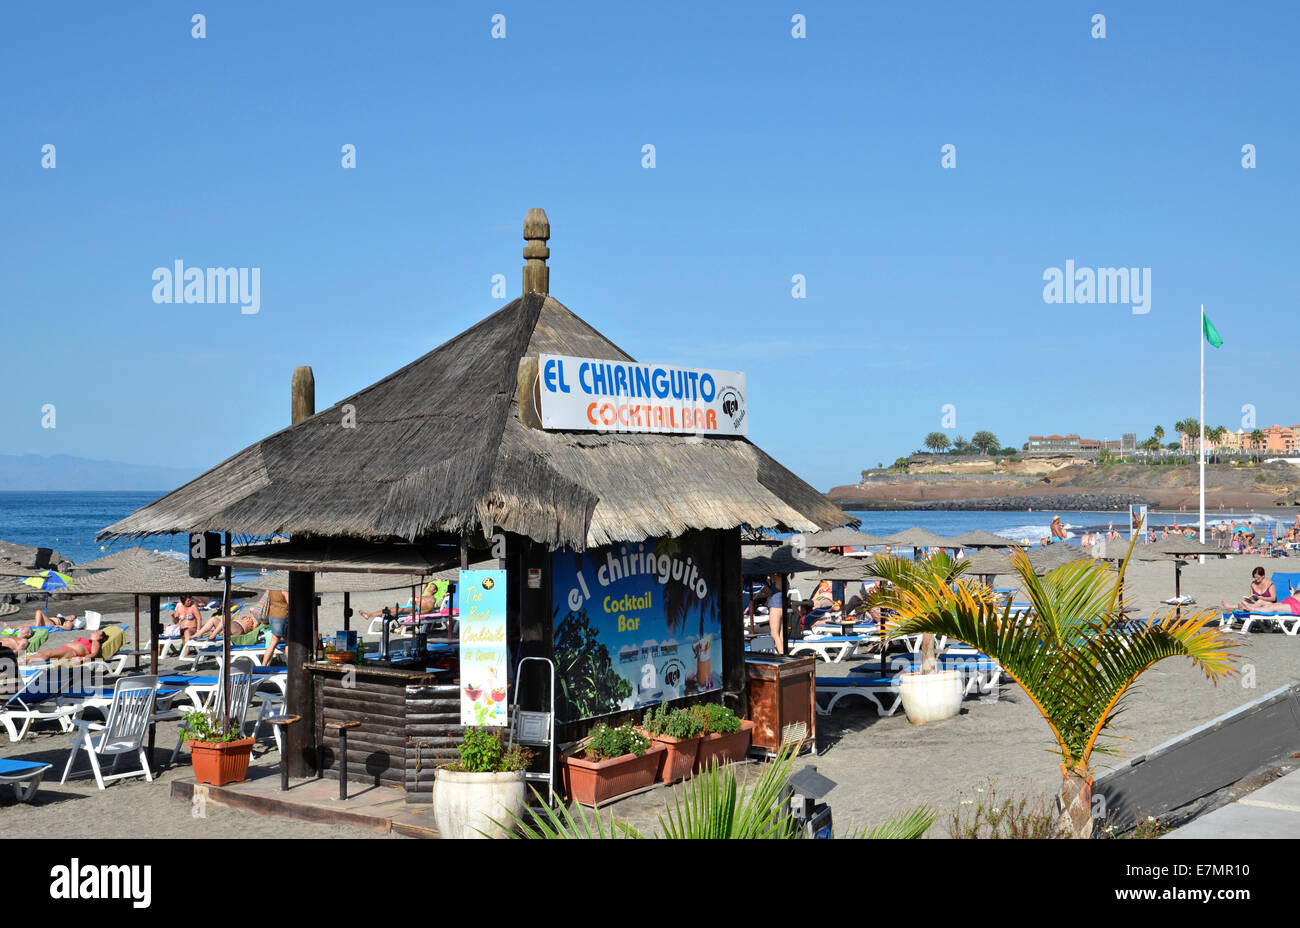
(123, 732)
(35, 699)
(241, 689)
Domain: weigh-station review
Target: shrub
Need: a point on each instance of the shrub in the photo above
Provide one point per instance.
(716, 717)
(483, 752)
(604, 742)
(200, 726)
(678, 723)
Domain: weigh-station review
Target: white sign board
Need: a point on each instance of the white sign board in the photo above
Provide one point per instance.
(588, 394)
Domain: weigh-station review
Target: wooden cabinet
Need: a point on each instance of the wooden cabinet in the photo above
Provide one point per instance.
(782, 693)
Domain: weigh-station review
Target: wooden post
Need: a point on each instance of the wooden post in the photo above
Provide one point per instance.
(299, 751)
(152, 643)
(155, 627)
(347, 612)
(731, 613)
(537, 229)
(303, 389)
(300, 647)
(225, 649)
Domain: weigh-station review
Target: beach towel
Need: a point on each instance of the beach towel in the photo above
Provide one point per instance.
(253, 637)
(114, 639)
(35, 642)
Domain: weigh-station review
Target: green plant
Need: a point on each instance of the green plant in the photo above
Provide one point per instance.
(715, 717)
(604, 742)
(677, 723)
(900, 575)
(483, 752)
(711, 805)
(987, 815)
(589, 684)
(203, 727)
(1075, 655)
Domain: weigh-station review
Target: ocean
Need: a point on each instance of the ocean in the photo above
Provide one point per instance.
(69, 521)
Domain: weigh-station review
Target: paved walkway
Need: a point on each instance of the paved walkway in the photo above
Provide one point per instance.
(1271, 811)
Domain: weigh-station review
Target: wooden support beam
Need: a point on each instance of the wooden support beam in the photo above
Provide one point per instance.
(300, 753)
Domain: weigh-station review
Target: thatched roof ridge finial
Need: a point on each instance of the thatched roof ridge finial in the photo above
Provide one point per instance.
(302, 394)
(537, 230)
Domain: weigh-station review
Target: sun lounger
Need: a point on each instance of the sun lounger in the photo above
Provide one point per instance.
(23, 775)
(36, 699)
(982, 674)
(833, 649)
(885, 693)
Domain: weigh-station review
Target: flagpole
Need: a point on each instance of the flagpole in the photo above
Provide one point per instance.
(1202, 437)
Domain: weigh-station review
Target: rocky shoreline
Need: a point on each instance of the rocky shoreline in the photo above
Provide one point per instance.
(1064, 501)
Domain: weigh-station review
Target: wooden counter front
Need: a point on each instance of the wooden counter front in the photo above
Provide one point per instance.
(410, 723)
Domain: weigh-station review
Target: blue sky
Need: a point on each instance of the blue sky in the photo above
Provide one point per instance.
(775, 156)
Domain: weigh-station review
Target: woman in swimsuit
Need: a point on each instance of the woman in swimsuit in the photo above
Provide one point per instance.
(188, 618)
(1262, 591)
(234, 626)
(79, 648)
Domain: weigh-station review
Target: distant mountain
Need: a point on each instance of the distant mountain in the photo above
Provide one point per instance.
(65, 472)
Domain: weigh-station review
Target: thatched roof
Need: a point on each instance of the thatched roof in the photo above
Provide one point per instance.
(988, 561)
(156, 575)
(136, 558)
(982, 539)
(757, 560)
(438, 448)
(340, 582)
(918, 538)
(1045, 558)
(26, 556)
(841, 538)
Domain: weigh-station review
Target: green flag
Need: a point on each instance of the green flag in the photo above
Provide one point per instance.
(1211, 333)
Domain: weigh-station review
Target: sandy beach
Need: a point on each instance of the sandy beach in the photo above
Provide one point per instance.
(882, 765)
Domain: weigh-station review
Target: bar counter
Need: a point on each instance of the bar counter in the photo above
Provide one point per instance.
(410, 722)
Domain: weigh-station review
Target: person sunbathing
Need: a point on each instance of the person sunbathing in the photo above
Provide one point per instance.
(429, 600)
(16, 639)
(67, 623)
(77, 649)
(1262, 591)
(235, 626)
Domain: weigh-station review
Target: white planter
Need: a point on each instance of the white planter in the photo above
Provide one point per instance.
(464, 804)
(931, 697)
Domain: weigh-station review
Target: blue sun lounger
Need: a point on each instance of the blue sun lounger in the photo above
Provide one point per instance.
(885, 693)
(23, 775)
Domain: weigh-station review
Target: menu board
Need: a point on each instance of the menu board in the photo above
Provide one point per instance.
(483, 658)
(635, 624)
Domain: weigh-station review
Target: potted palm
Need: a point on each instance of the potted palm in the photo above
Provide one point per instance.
(930, 694)
(726, 736)
(679, 731)
(469, 796)
(613, 761)
(1076, 656)
(220, 754)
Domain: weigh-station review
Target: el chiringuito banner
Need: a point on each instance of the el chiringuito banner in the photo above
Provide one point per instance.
(590, 394)
(636, 624)
(483, 659)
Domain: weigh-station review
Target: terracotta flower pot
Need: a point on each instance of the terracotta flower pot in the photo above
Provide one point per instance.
(219, 763)
(724, 748)
(593, 782)
(677, 759)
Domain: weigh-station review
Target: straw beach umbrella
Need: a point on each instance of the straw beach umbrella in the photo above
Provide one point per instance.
(841, 538)
(982, 539)
(917, 538)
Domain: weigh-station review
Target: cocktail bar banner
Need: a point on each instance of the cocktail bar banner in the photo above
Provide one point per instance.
(483, 668)
(589, 394)
(636, 624)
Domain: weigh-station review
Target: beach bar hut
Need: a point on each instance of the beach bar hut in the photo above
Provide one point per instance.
(612, 504)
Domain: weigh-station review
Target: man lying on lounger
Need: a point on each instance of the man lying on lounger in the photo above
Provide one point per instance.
(77, 649)
(15, 639)
(241, 625)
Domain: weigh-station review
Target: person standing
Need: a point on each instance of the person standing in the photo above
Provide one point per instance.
(1058, 530)
(277, 616)
(776, 612)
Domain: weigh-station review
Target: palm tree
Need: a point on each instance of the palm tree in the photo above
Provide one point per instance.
(985, 441)
(1158, 432)
(1074, 654)
(900, 574)
(937, 441)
